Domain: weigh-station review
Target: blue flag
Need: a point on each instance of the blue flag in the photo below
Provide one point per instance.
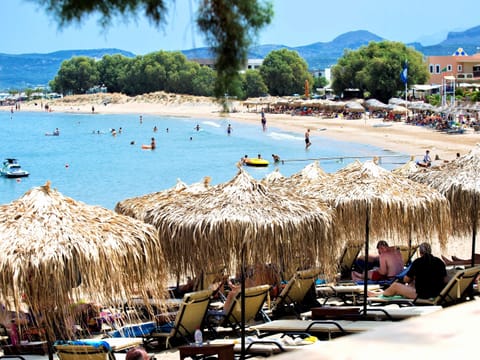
(404, 73)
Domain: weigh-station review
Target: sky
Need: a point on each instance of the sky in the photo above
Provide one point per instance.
(27, 28)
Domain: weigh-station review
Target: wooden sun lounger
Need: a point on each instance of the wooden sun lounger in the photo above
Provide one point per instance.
(373, 312)
(347, 293)
(318, 326)
(264, 346)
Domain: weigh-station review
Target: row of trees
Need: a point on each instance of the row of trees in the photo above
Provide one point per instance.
(283, 73)
(373, 69)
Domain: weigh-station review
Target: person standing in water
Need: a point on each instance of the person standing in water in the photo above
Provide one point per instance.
(264, 122)
(153, 144)
(307, 139)
(229, 129)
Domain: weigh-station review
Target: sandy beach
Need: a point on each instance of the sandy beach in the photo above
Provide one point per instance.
(398, 137)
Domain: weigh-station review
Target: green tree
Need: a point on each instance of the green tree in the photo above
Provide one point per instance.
(376, 69)
(319, 82)
(284, 72)
(253, 84)
(112, 71)
(76, 75)
(229, 25)
(203, 84)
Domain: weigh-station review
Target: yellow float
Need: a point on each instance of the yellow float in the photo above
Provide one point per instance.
(256, 162)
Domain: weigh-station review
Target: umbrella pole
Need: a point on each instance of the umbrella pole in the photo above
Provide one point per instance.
(365, 275)
(474, 228)
(49, 346)
(242, 302)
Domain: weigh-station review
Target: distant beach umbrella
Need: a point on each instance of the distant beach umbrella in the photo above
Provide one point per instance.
(56, 251)
(373, 204)
(375, 105)
(459, 181)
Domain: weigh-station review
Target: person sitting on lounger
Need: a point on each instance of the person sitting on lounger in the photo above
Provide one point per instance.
(425, 279)
(390, 264)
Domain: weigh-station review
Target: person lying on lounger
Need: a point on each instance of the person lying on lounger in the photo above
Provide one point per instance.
(457, 261)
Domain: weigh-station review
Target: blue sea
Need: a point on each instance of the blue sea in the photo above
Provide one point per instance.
(88, 164)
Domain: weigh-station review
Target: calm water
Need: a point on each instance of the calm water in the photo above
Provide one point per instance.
(101, 169)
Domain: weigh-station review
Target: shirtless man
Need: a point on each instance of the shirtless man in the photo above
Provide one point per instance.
(307, 139)
(391, 264)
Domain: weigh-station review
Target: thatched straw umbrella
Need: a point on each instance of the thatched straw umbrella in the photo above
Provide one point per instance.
(310, 173)
(459, 181)
(137, 207)
(56, 251)
(372, 202)
(407, 169)
(220, 221)
(243, 221)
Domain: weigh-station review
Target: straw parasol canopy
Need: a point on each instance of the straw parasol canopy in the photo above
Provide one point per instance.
(311, 173)
(407, 169)
(137, 207)
(459, 181)
(243, 214)
(273, 177)
(56, 251)
(399, 209)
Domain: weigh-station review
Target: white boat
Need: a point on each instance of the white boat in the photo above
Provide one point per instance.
(12, 169)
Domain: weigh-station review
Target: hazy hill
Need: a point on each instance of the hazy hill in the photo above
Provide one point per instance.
(31, 70)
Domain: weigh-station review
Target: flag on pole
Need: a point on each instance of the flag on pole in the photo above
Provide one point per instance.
(443, 70)
(404, 73)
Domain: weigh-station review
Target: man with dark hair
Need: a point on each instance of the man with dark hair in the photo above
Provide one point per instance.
(425, 279)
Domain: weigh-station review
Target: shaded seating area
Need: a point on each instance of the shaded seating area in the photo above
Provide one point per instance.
(190, 316)
(291, 298)
(231, 317)
(347, 259)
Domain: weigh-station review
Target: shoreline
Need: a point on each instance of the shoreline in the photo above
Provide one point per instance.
(397, 137)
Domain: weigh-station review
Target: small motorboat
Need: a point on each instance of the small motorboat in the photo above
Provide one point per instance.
(256, 162)
(12, 169)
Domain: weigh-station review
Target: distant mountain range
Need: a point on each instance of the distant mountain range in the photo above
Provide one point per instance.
(33, 70)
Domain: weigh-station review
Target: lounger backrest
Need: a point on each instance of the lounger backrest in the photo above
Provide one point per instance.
(254, 299)
(407, 252)
(191, 313)
(350, 254)
(297, 287)
(83, 352)
(458, 286)
(211, 277)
